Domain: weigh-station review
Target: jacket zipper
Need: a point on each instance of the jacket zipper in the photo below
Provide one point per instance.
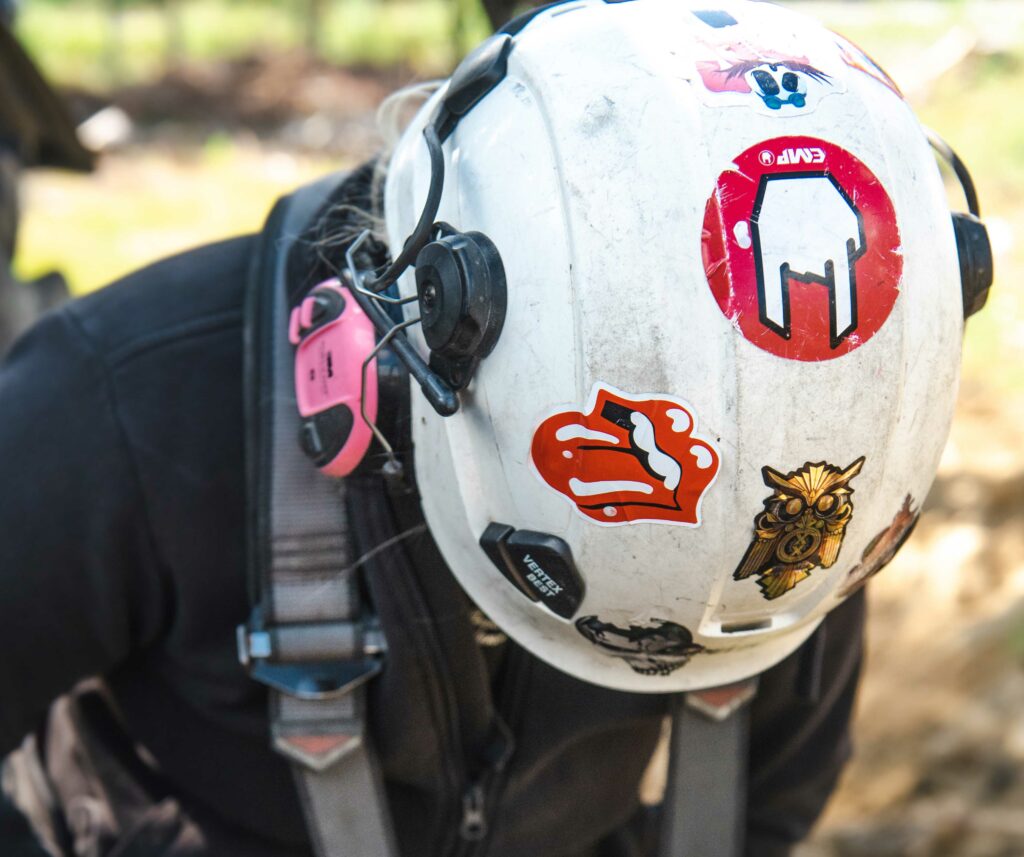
(481, 793)
(474, 813)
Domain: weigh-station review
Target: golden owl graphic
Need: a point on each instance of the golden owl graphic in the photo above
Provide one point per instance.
(802, 525)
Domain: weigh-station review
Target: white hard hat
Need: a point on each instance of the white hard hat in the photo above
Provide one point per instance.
(730, 352)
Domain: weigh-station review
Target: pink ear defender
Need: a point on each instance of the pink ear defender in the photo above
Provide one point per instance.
(333, 339)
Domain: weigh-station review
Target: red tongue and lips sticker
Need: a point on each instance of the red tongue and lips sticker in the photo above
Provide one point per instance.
(627, 459)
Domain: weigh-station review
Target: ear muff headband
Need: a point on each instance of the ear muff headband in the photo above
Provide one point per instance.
(973, 247)
(424, 227)
(959, 169)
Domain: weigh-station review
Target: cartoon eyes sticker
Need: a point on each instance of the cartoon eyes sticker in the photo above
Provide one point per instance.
(766, 82)
(770, 85)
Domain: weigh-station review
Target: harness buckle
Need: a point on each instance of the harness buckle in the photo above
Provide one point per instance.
(321, 660)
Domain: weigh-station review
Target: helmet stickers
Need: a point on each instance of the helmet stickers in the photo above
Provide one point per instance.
(882, 548)
(656, 649)
(601, 493)
(627, 459)
(755, 63)
(802, 525)
(856, 59)
(775, 81)
(801, 248)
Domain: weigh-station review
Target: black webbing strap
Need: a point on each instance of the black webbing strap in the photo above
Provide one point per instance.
(703, 811)
(309, 637)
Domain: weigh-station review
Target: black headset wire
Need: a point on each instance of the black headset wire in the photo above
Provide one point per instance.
(425, 226)
(959, 168)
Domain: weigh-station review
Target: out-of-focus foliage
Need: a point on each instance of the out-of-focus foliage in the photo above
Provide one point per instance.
(89, 43)
(138, 209)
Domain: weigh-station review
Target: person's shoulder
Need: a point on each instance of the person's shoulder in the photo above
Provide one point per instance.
(191, 295)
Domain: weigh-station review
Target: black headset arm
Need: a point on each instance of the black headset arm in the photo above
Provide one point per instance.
(441, 396)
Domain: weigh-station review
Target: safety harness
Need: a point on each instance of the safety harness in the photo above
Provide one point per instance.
(314, 641)
(309, 638)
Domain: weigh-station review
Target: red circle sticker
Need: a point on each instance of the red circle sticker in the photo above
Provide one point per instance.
(801, 248)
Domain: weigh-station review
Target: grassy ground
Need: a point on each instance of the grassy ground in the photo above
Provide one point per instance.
(974, 106)
(145, 205)
(939, 763)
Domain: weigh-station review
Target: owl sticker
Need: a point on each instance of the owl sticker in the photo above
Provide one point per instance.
(802, 525)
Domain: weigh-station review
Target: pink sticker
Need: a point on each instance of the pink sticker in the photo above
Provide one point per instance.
(748, 69)
(855, 58)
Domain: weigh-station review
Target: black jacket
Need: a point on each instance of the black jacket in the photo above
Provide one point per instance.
(122, 555)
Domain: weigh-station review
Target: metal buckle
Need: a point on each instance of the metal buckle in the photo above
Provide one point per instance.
(320, 679)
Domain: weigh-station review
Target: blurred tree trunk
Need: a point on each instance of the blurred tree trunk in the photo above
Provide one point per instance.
(9, 208)
(115, 40)
(500, 12)
(314, 21)
(173, 30)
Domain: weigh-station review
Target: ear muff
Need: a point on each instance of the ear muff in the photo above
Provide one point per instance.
(972, 244)
(976, 267)
(463, 296)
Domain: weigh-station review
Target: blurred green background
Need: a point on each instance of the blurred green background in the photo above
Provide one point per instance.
(73, 40)
(233, 103)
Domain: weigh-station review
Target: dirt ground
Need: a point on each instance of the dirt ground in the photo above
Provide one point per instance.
(939, 765)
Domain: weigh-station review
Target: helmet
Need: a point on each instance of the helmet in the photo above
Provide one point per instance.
(716, 248)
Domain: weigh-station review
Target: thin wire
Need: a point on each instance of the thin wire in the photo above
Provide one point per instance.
(383, 441)
(425, 226)
(384, 545)
(384, 298)
(357, 278)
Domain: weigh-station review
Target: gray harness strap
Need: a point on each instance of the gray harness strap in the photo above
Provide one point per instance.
(309, 638)
(703, 811)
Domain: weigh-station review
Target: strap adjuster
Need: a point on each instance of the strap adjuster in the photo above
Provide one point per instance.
(321, 660)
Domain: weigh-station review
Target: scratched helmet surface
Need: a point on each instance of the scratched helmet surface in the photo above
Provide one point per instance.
(732, 340)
